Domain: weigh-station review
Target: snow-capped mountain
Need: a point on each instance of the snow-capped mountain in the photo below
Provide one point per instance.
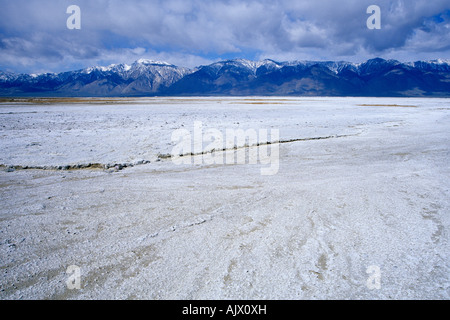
(375, 77)
(432, 65)
(141, 78)
(7, 76)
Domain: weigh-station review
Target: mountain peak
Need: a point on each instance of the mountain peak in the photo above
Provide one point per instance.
(374, 77)
(382, 61)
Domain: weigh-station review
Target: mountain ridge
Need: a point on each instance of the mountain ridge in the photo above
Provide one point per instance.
(238, 77)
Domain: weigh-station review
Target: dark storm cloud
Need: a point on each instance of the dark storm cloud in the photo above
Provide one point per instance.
(34, 36)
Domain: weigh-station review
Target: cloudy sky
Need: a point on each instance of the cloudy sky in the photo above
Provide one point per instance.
(34, 37)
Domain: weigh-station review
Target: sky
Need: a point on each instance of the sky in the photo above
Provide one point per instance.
(34, 37)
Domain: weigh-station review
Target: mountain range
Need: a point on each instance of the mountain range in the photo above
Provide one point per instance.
(239, 77)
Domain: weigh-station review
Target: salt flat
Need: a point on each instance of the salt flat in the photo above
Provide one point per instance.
(362, 185)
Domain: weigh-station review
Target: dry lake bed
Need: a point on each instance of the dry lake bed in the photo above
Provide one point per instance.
(94, 204)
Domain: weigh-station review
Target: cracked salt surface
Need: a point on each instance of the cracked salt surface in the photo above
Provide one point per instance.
(375, 195)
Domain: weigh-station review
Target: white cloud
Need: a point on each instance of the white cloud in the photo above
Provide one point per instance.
(187, 32)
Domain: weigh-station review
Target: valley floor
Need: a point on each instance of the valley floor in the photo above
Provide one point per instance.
(359, 207)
